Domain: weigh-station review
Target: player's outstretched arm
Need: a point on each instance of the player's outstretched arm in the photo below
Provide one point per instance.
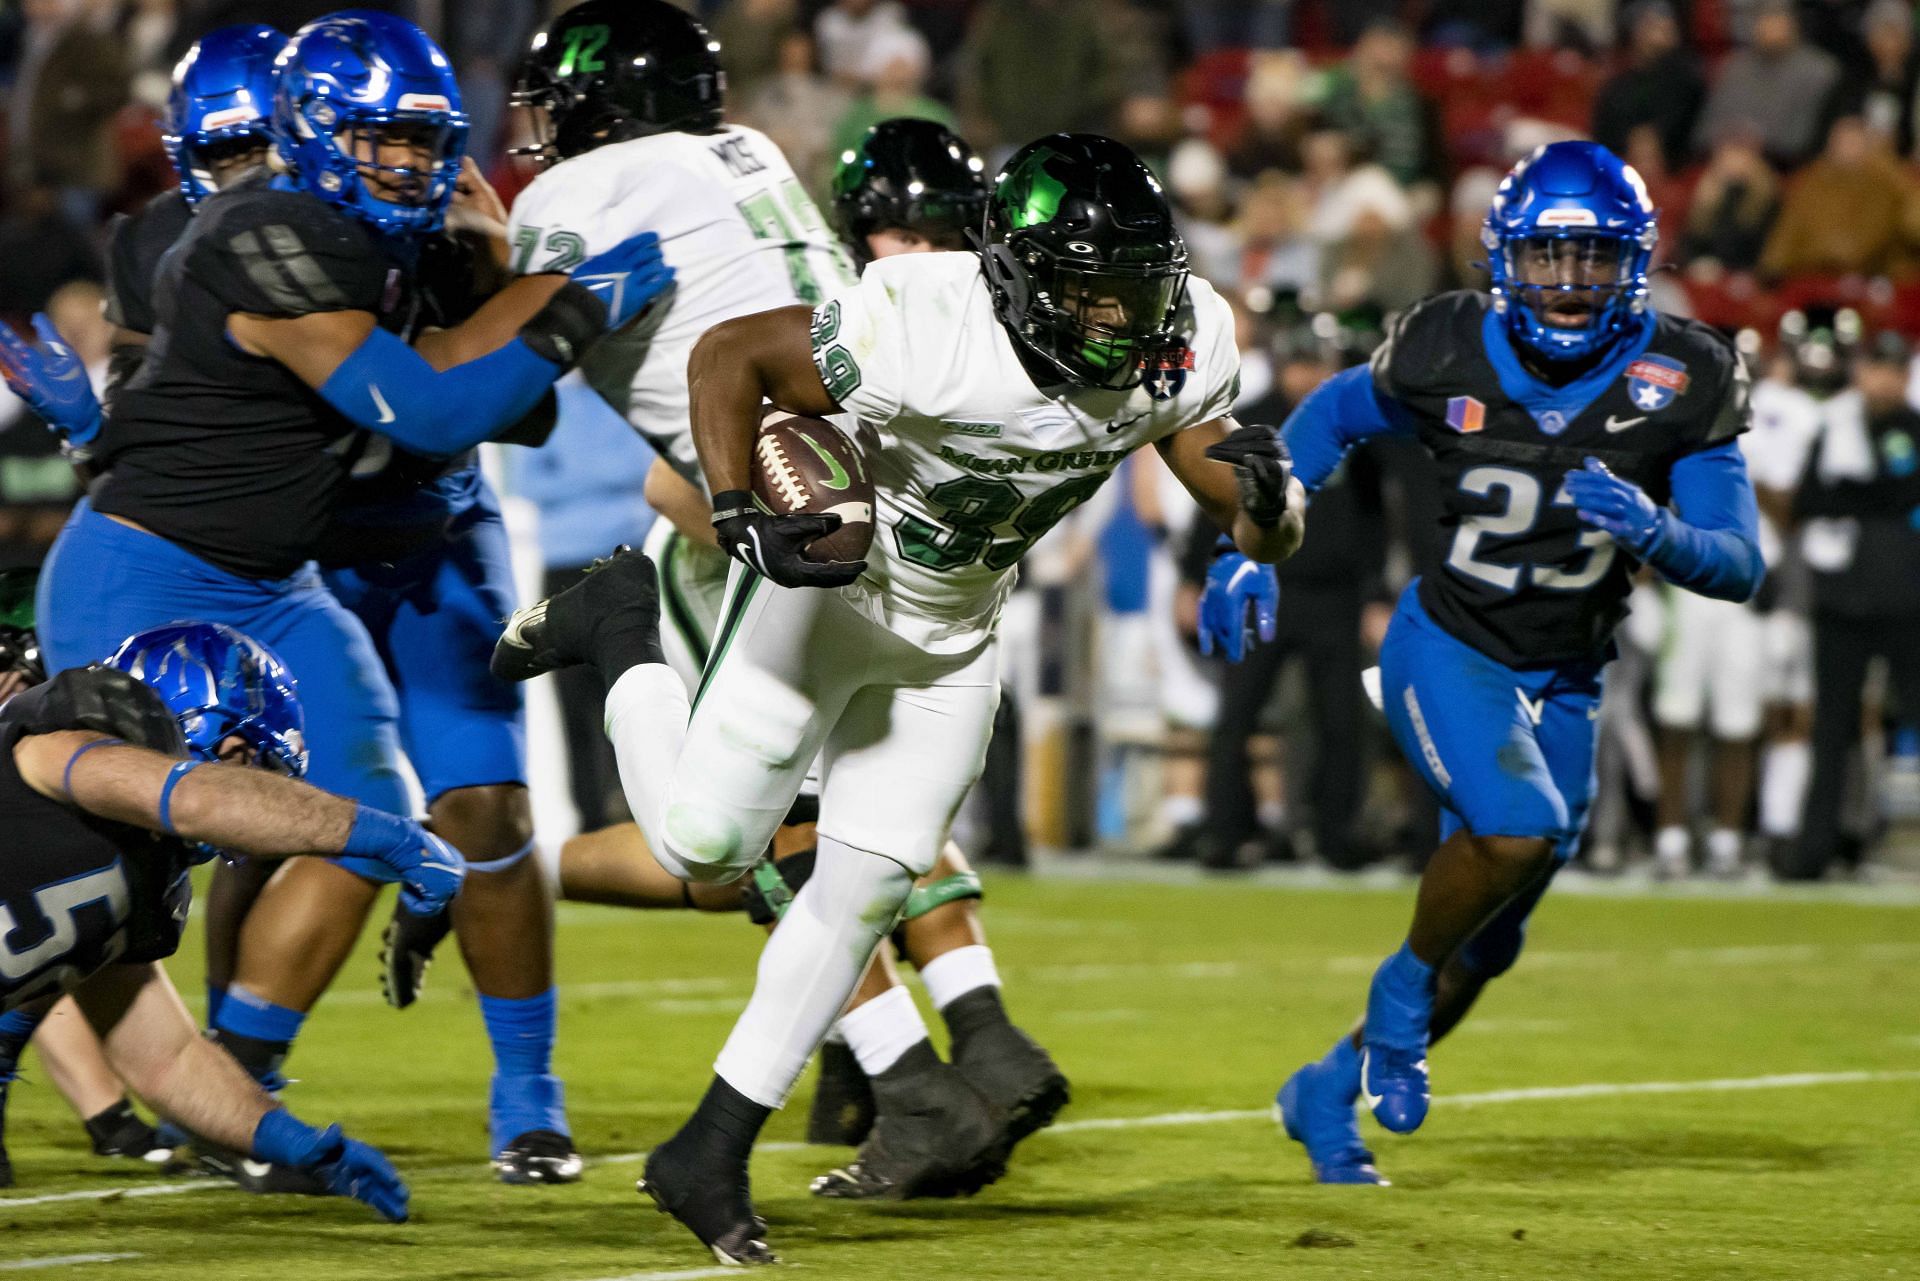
(1334, 417)
(1242, 479)
(233, 807)
(153, 1045)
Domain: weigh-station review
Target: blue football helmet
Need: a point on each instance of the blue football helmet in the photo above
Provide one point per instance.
(220, 683)
(1568, 241)
(360, 79)
(222, 96)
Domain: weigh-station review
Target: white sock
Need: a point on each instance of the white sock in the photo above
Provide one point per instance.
(646, 721)
(1670, 844)
(1181, 811)
(810, 968)
(883, 1029)
(1273, 815)
(952, 975)
(1783, 786)
(1723, 847)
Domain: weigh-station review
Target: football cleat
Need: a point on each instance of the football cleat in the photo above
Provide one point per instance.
(842, 1112)
(1317, 1112)
(538, 1156)
(1394, 1084)
(1015, 1075)
(717, 1211)
(121, 1132)
(406, 950)
(614, 610)
(259, 1177)
(933, 1135)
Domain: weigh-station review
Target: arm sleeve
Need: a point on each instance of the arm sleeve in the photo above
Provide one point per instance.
(387, 387)
(1337, 415)
(859, 347)
(1713, 546)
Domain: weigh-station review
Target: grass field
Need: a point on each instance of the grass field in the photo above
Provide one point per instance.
(1177, 1010)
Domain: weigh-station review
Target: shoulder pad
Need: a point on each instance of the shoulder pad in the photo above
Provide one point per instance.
(136, 243)
(1430, 342)
(1715, 366)
(284, 254)
(103, 699)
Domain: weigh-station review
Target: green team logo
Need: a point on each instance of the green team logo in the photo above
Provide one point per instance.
(583, 50)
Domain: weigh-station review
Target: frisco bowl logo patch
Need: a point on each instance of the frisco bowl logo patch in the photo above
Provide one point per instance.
(1464, 414)
(1167, 374)
(1654, 381)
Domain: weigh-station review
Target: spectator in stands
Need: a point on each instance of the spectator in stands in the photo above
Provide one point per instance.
(486, 40)
(149, 30)
(1275, 252)
(751, 35)
(1775, 84)
(1235, 24)
(1852, 210)
(1584, 26)
(41, 248)
(1197, 181)
(71, 82)
(1487, 26)
(1371, 96)
(1277, 117)
(893, 77)
(1734, 205)
(845, 32)
(1659, 86)
(1031, 67)
(797, 107)
(1860, 499)
(1882, 92)
(1378, 258)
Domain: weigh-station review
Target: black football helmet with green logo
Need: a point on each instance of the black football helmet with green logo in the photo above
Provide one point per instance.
(19, 644)
(610, 70)
(1087, 271)
(916, 175)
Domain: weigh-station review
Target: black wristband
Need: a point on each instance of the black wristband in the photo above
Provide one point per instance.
(731, 503)
(562, 330)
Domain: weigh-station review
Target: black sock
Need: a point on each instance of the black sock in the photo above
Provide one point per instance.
(261, 1059)
(725, 1124)
(106, 1126)
(976, 1011)
(617, 647)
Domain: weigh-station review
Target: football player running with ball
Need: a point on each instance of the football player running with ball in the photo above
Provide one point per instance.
(1578, 436)
(1073, 337)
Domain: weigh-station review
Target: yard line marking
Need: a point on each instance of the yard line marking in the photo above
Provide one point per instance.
(69, 1261)
(688, 1274)
(1595, 1090)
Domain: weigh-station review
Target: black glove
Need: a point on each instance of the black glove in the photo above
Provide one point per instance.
(1263, 466)
(775, 546)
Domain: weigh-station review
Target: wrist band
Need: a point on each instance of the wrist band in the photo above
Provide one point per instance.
(174, 776)
(66, 776)
(730, 503)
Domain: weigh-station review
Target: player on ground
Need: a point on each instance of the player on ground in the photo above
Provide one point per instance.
(312, 271)
(115, 780)
(1072, 338)
(1564, 416)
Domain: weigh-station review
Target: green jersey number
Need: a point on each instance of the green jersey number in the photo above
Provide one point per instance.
(566, 250)
(973, 508)
(789, 217)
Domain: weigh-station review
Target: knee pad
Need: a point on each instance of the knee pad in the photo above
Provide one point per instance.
(948, 889)
(773, 884)
(701, 846)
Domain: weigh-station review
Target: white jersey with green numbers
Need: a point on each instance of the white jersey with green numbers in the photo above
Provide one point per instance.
(971, 462)
(739, 231)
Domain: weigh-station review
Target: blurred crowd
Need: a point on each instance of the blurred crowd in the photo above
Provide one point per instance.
(1332, 161)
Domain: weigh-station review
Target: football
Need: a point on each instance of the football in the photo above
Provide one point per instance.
(806, 465)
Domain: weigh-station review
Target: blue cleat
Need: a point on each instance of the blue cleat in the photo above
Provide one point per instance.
(1315, 1107)
(1393, 1059)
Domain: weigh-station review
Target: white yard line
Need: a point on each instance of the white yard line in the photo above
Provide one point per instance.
(686, 1274)
(70, 1261)
(1596, 1090)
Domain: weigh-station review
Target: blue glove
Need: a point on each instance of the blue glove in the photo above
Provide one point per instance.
(50, 378)
(1617, 507)
(428, 869)
(1233, 583)
(347, 1167)
(626, 277)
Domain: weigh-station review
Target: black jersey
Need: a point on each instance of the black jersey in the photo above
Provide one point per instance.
(76, 892)
(1522, 579)
(135, 244)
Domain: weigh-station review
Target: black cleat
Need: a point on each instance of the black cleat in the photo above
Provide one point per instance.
(611, 618)
(1011, 1070)
(119, 1131)
(539, 1156)
(406, 950)
(933, 1135)
(842, 1100)
(260, 1177)
(717, 1210)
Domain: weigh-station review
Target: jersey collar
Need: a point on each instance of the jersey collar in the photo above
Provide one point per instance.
(1546, 402)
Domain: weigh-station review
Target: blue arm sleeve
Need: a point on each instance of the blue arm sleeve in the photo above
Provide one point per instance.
(1337, 415)
(388, 387)
(1713, 545)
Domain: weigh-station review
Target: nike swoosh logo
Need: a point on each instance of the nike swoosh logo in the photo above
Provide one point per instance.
(380, 403)
(1373, 1100)
(1621, 424)
(838, 478)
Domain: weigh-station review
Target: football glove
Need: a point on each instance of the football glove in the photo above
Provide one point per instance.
(775, 546)
(1616, 507)
(626, 277)
(1262, 467)
(1235, 583)
(345, 1167)
(398, 849)
(50, 378)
